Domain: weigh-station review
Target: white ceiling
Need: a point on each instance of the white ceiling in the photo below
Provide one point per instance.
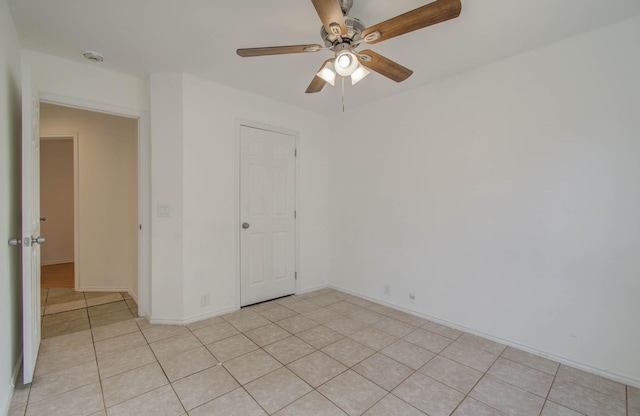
(200, 37)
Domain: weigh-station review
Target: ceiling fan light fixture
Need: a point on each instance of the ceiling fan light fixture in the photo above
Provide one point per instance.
(359, 74)
(346, 63)
(328, 74)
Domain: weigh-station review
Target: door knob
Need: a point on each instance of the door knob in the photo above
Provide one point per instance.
(43, 219)
(37, 240)
(245, 225)
(15, 242)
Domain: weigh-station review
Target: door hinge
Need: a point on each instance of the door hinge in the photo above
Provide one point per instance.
(295, 152)
(295, 214)
(296, 275)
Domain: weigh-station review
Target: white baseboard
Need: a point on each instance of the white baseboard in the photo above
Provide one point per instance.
(103, 289)
(544, 354)
(312, 289)
(57, 261)
(171, 321)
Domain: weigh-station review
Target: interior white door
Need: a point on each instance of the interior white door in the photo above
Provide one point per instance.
(267, 215)
(31, 238)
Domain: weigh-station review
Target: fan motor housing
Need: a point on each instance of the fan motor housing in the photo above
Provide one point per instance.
(355, 27)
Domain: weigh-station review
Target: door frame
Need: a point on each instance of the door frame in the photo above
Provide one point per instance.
(76, 199)
(262, 126)
(144, 183)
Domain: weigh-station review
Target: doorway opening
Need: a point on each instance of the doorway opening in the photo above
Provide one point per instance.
(95, 223)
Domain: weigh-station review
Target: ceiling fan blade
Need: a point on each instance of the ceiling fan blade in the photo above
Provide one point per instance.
(277, 50)
(330, 12)
(317, 83)
(427, 15)
(384, 66)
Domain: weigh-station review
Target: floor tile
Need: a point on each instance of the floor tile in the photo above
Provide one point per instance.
(469, 356)
(55, 297)
(394, 327)
(428, 395)
(125, 386)
(215, 332)
(344, 308)
(251, 366)
(366, 317)
(443, 330)
(326, 300)
(519, 375)
(408, 354)
(247, 321)
(20, 394)
(320, 336)
(585, 400)
(313, 404)
(101, 300)
(64, 328)
(170, 347)
(553, 409)
(303, 306)
(383, 371)
(81, 401)
(408, 318)
(52, 361)
(345, 326)
(451, 373)
(66, 342)
(113, 330)
(428, 340)
(267, 334)
(17, 411)
(322, 315)
(316, 368)
(391, 405)
(62, 381)
(289, 349)
(232, 347)
(110, 318)
(530, 360)
(297, 324)
(63, 317)
(481, 344)
(236, 403)
(162, 401)
(277, 313)
(591, 381)
(188, 362)
(352, 393)
(373, 338)
(205, 323)
(125, 361)
(348, 351)
(204, 386)
(277, 389)
(64, 307)
(472, 407)
(507, 398)
(119, 344)
(633, 401)
(107, 308)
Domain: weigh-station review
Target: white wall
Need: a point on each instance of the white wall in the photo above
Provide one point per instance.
(57, 200)
(108, 194)
(10, 280)
(204, 155)
(508, 198)
(87, 81)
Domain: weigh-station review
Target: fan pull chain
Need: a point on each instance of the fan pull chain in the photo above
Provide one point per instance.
(342, 94)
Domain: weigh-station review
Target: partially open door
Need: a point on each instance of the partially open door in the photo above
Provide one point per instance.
(31, 238)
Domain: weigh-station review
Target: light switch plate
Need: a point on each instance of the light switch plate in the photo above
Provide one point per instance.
(164, 210)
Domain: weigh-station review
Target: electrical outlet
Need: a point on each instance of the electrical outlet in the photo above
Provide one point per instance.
(204, 300)
(412, 296)
(387, 290)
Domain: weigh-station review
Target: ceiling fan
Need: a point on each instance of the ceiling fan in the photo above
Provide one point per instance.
(343, 35)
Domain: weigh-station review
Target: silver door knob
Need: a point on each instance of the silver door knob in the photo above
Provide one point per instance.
(245, 225)
(15, 242)
(37, 240)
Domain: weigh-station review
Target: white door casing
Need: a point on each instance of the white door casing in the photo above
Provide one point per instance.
(267, 215)
(30, 225)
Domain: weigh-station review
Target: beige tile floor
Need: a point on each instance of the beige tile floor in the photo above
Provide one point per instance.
(323, 353)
